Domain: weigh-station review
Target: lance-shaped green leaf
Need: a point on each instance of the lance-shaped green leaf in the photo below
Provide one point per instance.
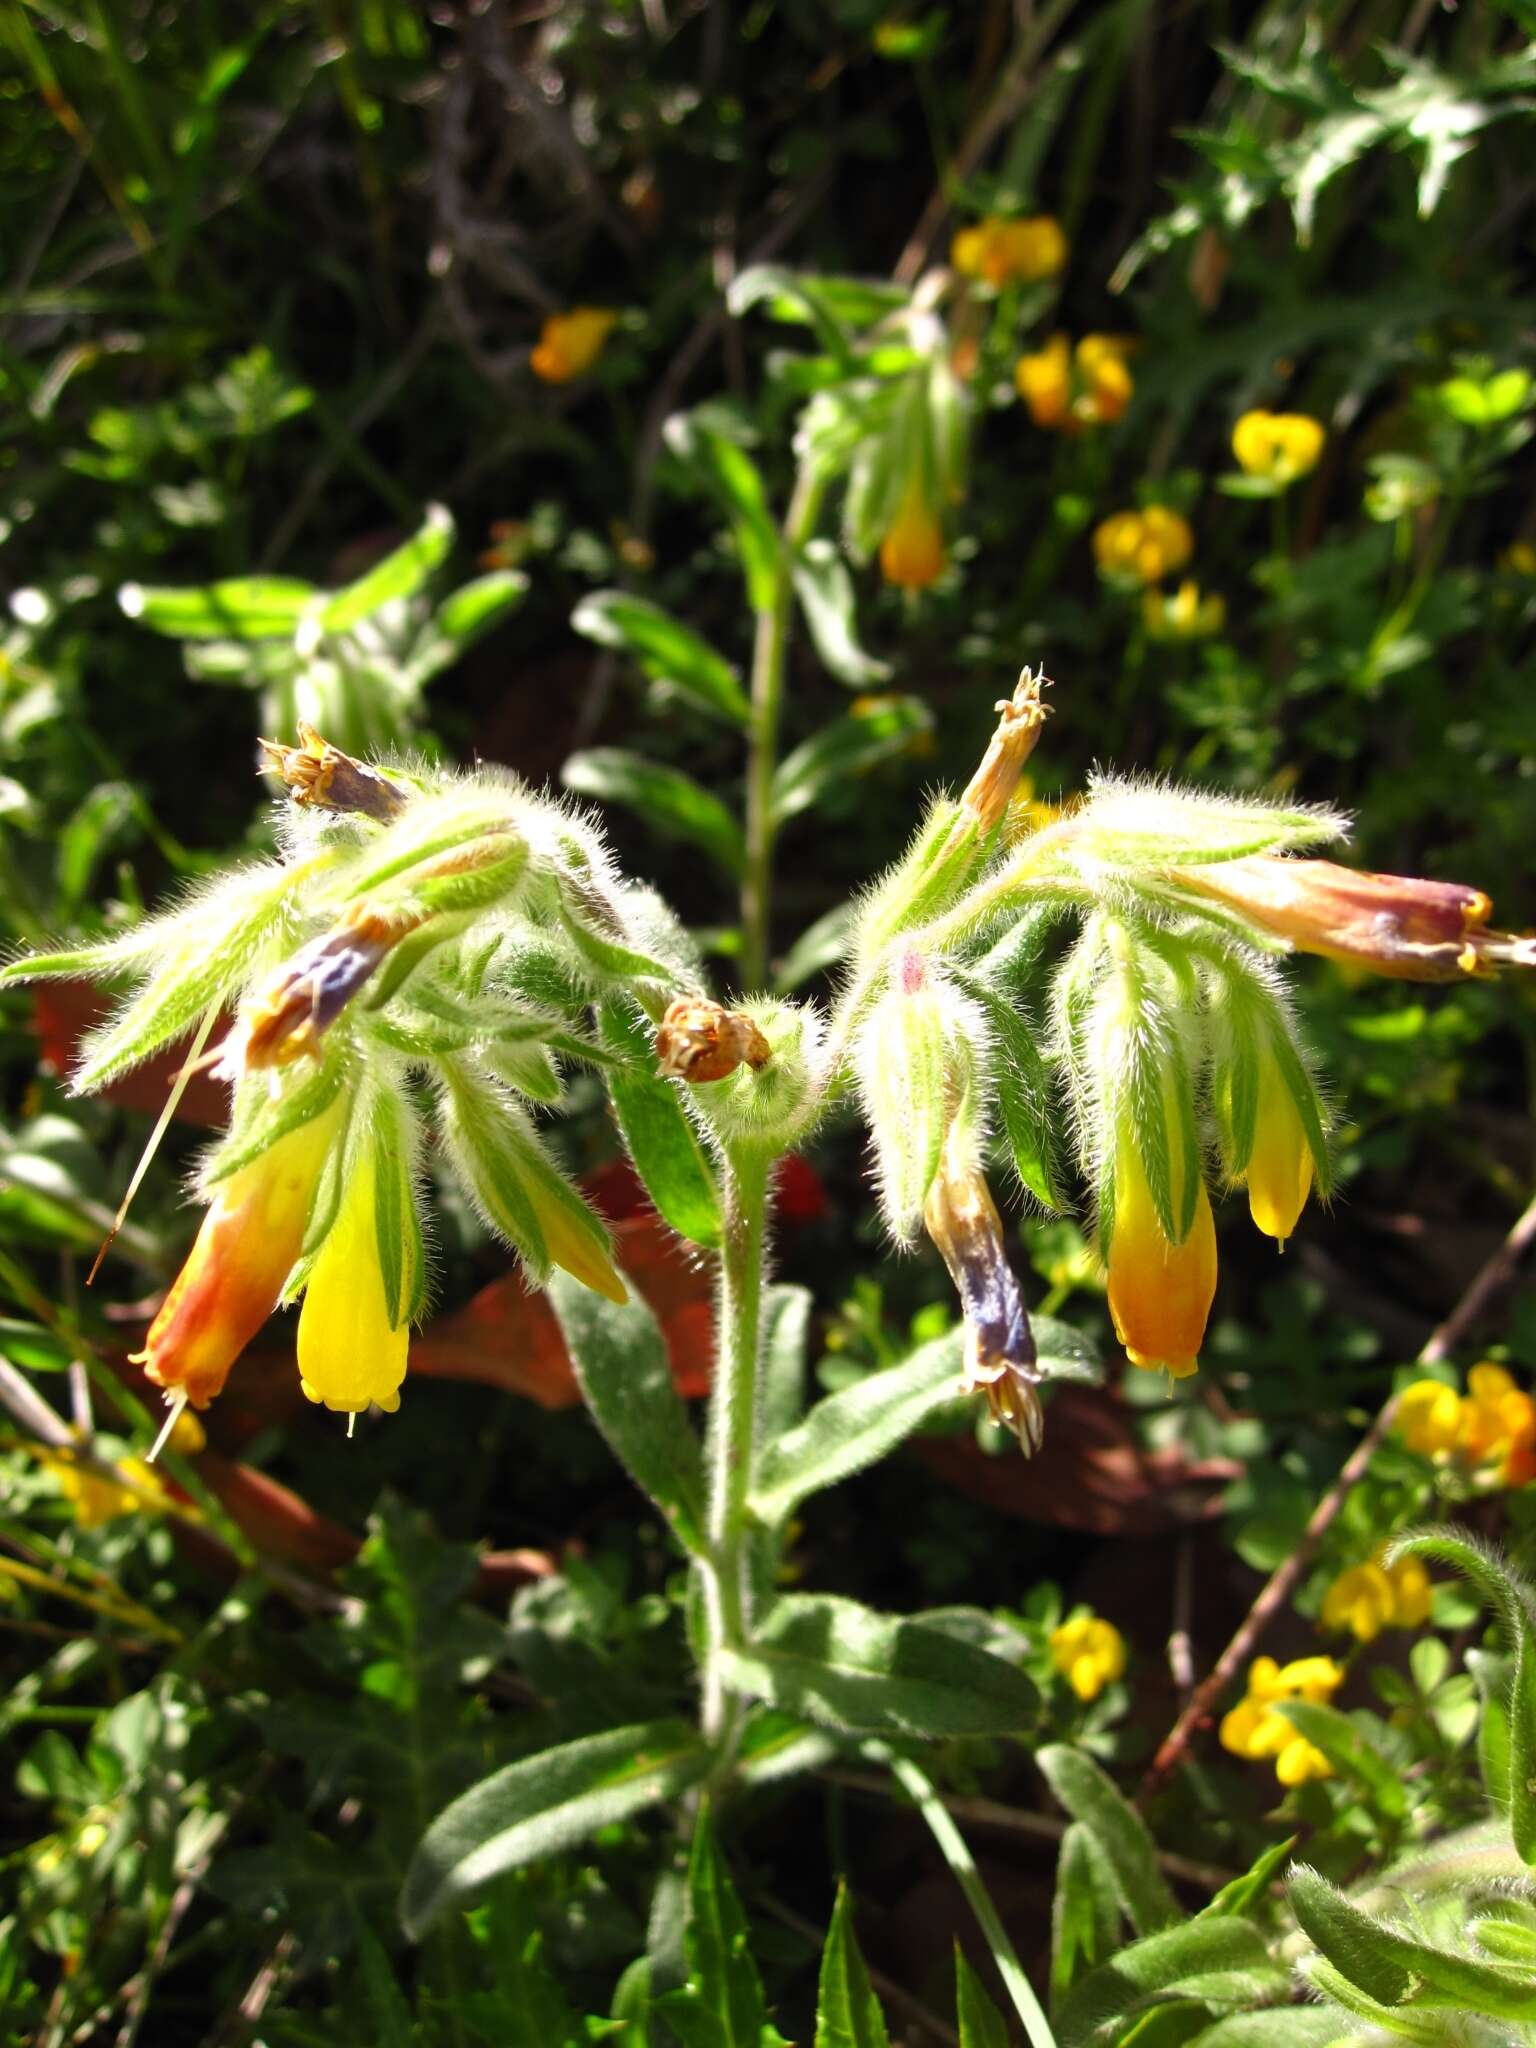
(781, 1381)
(544, 1804)
(1120, 1832)
(519, 1192)
(847, 1667)
(1213, 1962)
(1515, 1602)
(819, 946)
(668, 1153)
(620, 1358)
(464, 617)
(870, 734)
(1244, 1894)
(1289, 2026)
(240, 608)
(981, 2024)
(1399, 1969)
(1024, 1091)
(722, 2004)
(402, 572)
(1147, 825)
(665, 797)
(1085, 1910)
(1348, 1750)
(667, 650)
(826, 594)
(848, 2013)
(734, 481)
(830, 304)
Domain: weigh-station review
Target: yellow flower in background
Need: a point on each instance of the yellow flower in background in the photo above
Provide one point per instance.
(1159, 1293)
(1069, 389)
(1184, 616)
(97, 1497)
(570, 343)
(1360, 1600)
(1498, 1424)
(1253, 1728)
(1143, 546)
(1280, 446)
(1429, 1418)
(1300, 1761)
(1279, 1170)
(912, 552)
(1089, 1654)
(350, 1354)
(1369, 1597)
(1519, 558)
(1003, 251)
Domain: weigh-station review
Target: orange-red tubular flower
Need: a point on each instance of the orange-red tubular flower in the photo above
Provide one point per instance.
(1392, 924)
(1159, 1293)
(251, 1236)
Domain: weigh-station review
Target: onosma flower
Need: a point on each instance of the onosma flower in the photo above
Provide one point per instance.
(424, 954)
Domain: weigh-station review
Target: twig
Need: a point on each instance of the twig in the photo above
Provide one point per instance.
(1017, 1820)
(1282, 1583)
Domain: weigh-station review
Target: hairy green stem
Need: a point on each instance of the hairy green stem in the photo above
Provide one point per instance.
(952, 1843)
(728, 1443)
(770, 649)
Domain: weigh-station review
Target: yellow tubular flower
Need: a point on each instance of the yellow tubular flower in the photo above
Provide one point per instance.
(230, 1284)
(1278, 445)
(349, 1353)
(570, 343)
(1143, 546)
(1089, 1654)
(580, 1254)
(1429, 1418)
(912, 553)
(1159, 1293)
(1279, 1172)
(1361, 1600)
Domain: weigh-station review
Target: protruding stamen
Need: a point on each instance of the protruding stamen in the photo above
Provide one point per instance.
(173, 1408)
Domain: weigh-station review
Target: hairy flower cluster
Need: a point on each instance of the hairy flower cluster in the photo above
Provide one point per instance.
(426, 951)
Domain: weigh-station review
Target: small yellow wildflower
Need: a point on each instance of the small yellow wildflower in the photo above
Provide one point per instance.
(1498, 1424)
(1429, 1418)
(1519, 558)
(570, 343)
(1069, 389)
(1089, 1653)
(97, 1497)
(1255, 1730)
(1280, 446)
(1002, 251)
(1184, 616)
(1143, 546)
(1412, 1592)
(1361, 1600)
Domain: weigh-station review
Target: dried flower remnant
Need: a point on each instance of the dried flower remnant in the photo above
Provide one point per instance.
(322, 777)
(700, 1041)
(1020, 722)
(570, 343)
(1395, 925)
(961, 1218)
